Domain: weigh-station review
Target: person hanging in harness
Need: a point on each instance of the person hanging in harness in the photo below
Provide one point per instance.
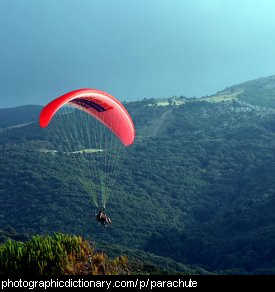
(103, 218)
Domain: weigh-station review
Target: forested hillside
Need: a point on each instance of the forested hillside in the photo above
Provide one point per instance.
(197, 186)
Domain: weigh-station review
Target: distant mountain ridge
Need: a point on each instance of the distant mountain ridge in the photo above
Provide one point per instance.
(245, 91)
(19, 115)
(260, 91)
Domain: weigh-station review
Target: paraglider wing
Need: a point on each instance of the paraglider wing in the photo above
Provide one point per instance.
(98, 104)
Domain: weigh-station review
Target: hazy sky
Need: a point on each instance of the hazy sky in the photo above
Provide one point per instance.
(132, 48)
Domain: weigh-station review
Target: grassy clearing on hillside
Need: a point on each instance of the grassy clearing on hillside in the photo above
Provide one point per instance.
(221, 97)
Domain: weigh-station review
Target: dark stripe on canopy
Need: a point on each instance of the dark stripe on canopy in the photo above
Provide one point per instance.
(88, 104)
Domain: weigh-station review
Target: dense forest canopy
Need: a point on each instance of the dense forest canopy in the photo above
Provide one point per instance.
(197, 186)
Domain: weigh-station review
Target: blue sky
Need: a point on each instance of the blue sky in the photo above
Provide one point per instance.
(132, 48)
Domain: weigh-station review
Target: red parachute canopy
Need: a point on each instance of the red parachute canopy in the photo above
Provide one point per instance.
(98, 104)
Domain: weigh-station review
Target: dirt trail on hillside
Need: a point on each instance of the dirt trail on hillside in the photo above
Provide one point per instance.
(160, 122)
